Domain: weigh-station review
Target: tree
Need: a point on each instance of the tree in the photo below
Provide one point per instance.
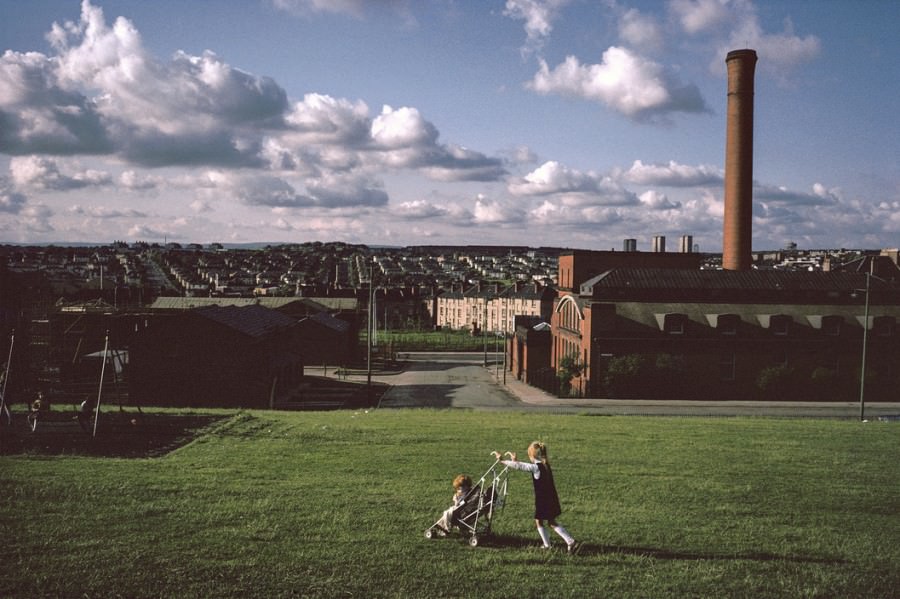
(569, 367)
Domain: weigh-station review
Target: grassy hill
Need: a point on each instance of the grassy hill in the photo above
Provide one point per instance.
(334, 504)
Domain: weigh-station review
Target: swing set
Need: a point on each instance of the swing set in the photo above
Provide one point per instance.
(87, 413)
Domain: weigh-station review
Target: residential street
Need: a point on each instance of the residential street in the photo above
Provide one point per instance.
(461, 380)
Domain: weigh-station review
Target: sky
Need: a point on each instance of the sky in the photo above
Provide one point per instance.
(567, 123)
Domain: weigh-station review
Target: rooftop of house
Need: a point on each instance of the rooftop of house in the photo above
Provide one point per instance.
(254, 320)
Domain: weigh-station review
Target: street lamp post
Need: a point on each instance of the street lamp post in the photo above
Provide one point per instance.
(484, 329)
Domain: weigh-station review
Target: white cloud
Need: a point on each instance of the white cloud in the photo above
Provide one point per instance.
(303, 7)
(640, 31)
(143, 232)
(199, 206)
(624, 81)
(658, 201)
(538, 16)
(44, 173)
(11, 201)
(571, 186)
(334, 191)
(265, 190)
(672, 174)
(323, 119)
(696, 16)
(35, 218)
(552, 214)
(135, 181)
(190, 110)
(488, 211)
(402, 128)
(819, 196)
(419, 209)
(104, 212)
(778, 52)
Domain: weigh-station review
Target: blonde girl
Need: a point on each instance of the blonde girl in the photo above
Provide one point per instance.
(546, 500)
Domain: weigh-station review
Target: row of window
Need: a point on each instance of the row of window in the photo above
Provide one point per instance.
(779, 324)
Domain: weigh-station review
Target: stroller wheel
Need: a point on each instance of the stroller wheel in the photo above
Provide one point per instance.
(473, 541)
(429, 533)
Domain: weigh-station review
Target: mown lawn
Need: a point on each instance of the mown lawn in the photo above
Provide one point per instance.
(334, 504)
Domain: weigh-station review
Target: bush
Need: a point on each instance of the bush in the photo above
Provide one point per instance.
(624, 376)
(776, 382)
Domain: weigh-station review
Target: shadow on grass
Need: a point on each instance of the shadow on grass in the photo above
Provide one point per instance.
(587, 549)
(668, 554)
(127, 434)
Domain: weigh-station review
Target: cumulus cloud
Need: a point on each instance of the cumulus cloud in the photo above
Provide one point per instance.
(640, 30)
(138, 182)
(150, 232)
(658, 201)
(319, 118)
(538, 16)
(419, 209)
(11, 201)
(334, 191)
(35, 218)
(331, 191)
(672, 174)
(353, 8)
(819, 196)
(554, 214)
(39, 115)
(696, 16)
(101, 92)
(401, 128)
(104, 212)
(192, 109)
(43, 173)
(624, 81)
(487, 211)
(273, 192)
(304, 7)
(572, 186)
(735, 24)
(781, 52)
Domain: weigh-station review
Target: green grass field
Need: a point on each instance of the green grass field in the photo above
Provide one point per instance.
(334, 504)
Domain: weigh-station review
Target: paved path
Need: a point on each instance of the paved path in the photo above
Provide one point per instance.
(461, 380)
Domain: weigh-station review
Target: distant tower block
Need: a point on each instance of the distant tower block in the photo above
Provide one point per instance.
(629, 245)
(736, 243)
(659, 243)
(686, 244)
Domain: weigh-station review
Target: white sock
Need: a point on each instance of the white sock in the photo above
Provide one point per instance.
(565, 535)
(545, 536)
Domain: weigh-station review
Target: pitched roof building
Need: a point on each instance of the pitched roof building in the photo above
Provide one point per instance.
(634, 331)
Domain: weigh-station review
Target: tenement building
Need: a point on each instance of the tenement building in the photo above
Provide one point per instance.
(492, 307)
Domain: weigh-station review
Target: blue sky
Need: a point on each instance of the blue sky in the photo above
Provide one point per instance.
(573, 123)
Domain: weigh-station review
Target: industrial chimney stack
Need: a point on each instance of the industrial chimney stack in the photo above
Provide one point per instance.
(736, 246)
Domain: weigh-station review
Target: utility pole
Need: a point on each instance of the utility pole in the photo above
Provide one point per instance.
(369, 333)
(862, 366)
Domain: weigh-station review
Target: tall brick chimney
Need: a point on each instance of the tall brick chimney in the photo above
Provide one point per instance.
(736, 243)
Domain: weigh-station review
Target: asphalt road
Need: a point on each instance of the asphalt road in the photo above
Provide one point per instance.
(461, 380)
(445, 380)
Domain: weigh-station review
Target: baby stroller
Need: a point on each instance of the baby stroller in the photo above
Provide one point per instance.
(474, 513)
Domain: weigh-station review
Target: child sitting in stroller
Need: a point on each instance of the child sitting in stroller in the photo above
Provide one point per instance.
(462, 484)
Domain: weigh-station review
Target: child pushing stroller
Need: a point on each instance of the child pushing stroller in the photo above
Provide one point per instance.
(474, 505)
